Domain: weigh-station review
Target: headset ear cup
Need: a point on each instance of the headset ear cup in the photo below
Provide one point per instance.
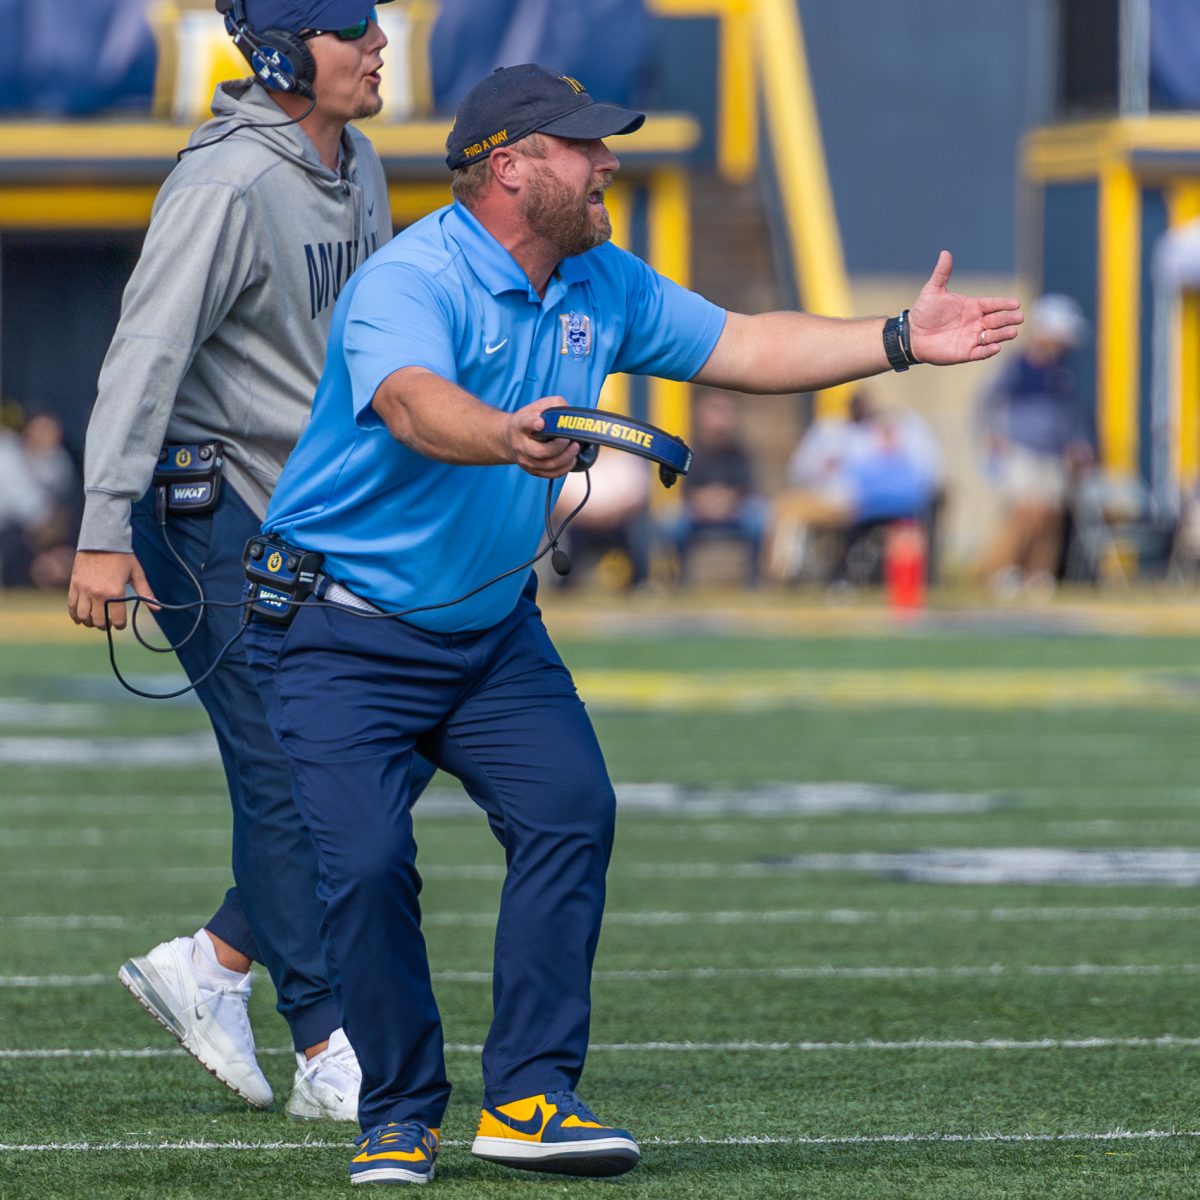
(586, 458)
(304, 66)
(279, 59)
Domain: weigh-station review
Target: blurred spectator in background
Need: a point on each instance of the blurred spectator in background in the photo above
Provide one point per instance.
(38, 512)
(607, 42)
(719, 494)
(1037, 441)
(1174, 36)
(846, 479)
(76, 57)
(613, 532)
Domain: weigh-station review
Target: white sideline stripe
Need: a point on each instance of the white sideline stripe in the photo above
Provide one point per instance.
(874, 1139)
(1165, 1042)
(652, 975)
(793, 916)
(479, 871)
(39, 981)
(854, 916)
(141, 835)
(887, 861)
(88, 836)
(143, 1052)
(94, 921)
(991, 971)
(768, 799)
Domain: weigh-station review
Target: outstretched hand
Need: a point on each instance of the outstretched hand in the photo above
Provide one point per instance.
(949, 328)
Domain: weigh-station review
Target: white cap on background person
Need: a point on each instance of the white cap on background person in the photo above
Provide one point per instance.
(1058, 318)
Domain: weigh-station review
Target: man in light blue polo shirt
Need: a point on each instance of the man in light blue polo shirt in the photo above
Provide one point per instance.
(422, 479)
(449, 302)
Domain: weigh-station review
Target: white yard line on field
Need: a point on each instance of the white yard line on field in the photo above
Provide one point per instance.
(120, 874)
(827, 971)
(1165, 1042)
(125, 802)
(90, 836)
(856, 916)
(456, 872)
(97, 921)
(478, 871)
(709, 831)
(869, 1139)
(671, 800)
(218, 874)
(776, 916)
(1172, 867)
(51, 981)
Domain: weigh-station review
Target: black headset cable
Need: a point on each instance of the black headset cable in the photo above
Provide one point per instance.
(245, 604)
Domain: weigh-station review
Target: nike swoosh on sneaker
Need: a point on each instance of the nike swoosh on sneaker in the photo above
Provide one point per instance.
(489, 349)
(531, 1125)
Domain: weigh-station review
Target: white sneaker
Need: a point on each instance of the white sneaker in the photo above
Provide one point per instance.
(327, 1084)
(1006, 583)
(208, 1019)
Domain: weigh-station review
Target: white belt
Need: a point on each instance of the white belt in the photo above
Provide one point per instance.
(343, 596)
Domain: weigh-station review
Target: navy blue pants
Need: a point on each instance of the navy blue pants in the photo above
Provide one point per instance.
(352, 701)
(273, 914)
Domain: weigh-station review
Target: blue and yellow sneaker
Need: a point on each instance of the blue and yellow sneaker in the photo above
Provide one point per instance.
(553, 1132)
(395, 1154)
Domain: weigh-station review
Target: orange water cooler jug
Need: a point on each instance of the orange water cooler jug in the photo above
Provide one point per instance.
(905, 564)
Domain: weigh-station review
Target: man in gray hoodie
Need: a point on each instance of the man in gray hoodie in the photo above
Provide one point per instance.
(213, 365)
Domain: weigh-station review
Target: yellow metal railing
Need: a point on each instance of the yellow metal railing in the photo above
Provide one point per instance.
(1118, 318)
(1080, 150)
(1104, 152)
(737, 92)
(763, 80)
(616, 393)
(762, 56)
(798, 154)
(1184, 209)
(669, 239)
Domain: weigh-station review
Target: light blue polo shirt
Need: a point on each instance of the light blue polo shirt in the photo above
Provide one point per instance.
(402, 530)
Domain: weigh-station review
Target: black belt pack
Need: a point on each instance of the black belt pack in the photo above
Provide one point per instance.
(190, 477)
(278, 576)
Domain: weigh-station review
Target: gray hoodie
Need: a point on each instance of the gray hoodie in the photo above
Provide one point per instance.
(225, 318)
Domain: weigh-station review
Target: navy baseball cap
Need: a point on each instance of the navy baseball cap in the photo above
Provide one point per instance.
(294, 15)
(513, 102)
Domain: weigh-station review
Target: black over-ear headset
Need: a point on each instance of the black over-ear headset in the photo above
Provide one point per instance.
(279, 59)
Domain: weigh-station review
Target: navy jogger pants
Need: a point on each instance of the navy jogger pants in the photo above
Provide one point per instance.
(273, 915)
(352, 700)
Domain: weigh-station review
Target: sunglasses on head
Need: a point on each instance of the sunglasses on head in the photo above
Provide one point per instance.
(350, 34)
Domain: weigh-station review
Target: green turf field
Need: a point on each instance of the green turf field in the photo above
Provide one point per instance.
(788, 1002)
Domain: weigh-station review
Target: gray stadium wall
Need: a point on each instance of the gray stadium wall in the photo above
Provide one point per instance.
(922, 107)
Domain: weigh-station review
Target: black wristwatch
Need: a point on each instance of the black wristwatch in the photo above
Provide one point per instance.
(897, 343)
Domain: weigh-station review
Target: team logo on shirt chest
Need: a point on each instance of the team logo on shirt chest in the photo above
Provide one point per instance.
(576, 334)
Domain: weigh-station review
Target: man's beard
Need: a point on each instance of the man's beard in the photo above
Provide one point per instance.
(563, 218)
(368, 108)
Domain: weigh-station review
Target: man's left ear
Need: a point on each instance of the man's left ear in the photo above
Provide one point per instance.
(505, 169)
